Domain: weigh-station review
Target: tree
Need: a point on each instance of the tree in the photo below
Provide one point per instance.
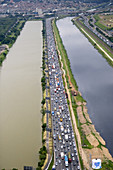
(43, 101)
(44, 126)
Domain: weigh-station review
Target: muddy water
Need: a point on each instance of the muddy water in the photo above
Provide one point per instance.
(20, 98)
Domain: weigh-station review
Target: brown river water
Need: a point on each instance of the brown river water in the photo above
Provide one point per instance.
(20, 100)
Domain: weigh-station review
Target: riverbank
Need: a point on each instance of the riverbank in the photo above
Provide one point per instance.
(88, 140)
(11, 37)
(102, 48)
(47, 141)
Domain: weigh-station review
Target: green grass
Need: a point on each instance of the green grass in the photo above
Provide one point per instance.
(51, 164)
(100, 25)
(80, 98)
(107, 165)
(95, 46)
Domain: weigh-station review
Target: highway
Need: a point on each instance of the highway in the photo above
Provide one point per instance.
(63, 135)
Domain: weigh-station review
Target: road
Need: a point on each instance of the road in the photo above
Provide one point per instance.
(63, 136)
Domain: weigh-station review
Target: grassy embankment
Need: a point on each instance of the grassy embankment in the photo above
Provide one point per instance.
(97, 42)
(67, 68)
(9, 30)
(43, 156)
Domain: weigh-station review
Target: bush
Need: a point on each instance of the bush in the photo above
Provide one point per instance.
(43, 101)
(44, 126)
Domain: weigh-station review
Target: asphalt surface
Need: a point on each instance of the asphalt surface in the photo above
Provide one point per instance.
(63, 136)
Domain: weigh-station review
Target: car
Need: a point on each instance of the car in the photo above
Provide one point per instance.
(74, 164)
(74, 148)
(73, 158)
(61, 146)
(74, 144)
(78, 167)
(69, 137)
(56, 163)
(63, 142)
(65, 151)
(59, 161)
(72, 154)
(68, 130)
(62, 134)
(72, 136)
(67, 125)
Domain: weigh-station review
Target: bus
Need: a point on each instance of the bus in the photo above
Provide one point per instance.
(66, 160)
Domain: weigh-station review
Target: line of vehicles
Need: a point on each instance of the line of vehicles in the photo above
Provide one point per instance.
(65, 152)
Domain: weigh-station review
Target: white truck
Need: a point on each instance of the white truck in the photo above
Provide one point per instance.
(62, 155)
(66, 137)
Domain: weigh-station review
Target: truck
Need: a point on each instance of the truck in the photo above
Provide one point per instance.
(62, 155)
(69, 157)
(66, 137)
(66, 160)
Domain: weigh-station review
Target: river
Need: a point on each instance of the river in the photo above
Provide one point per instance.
(94, 77)
(20, 100)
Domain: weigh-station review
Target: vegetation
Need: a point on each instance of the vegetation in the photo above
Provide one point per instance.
(42, 157)
(100, 25)
(43, 151)
(3, 56)
(77, 23)
(10, 28)
(44, 127)
(109, 38)
(107, 165)
(5, 25)
(51, 164)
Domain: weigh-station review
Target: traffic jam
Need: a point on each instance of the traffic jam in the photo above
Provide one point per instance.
(65, 151)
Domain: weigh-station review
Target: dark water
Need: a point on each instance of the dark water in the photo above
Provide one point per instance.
(94, 77)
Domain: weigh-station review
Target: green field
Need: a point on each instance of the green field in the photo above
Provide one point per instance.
(5, 24)
(105, 22)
